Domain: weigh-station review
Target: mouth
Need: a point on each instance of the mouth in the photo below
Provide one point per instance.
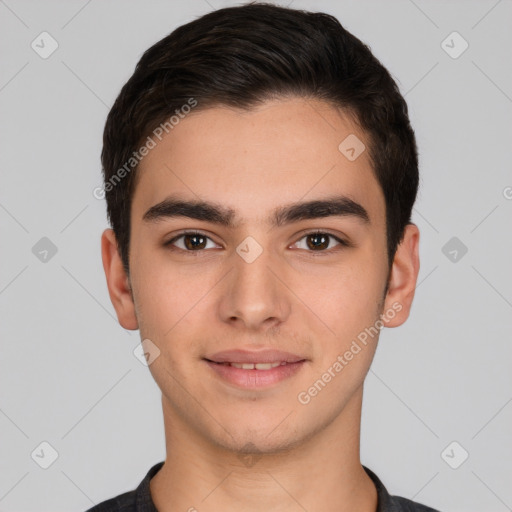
(237, 357)
(255, 366)
(254, 370)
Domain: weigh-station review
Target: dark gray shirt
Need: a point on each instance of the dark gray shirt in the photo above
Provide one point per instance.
(140, 500)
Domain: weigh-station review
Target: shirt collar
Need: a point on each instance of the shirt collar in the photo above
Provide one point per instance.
(144, 502)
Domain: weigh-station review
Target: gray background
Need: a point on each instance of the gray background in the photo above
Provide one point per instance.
(68, 375)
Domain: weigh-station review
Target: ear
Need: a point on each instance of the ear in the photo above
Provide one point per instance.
(117, 281)
(403, 277)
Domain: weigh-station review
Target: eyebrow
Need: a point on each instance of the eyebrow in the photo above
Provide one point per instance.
(340, 206)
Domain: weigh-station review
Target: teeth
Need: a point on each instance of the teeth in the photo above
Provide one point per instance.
(266, 366)
(258, 366)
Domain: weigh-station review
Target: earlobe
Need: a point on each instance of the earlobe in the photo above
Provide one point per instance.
(403, 278)
(117, 281)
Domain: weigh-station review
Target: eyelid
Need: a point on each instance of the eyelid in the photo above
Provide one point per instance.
(188, 232)
(342, 241)
(339, 237)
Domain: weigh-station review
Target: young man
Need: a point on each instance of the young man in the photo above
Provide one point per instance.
(260, 172)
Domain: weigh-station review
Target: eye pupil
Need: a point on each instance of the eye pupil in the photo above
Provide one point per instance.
(194, 244)
(321, 241)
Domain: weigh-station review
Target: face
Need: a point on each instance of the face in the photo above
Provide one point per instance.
(255, 270)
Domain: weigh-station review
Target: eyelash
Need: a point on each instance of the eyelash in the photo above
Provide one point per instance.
(324, 252)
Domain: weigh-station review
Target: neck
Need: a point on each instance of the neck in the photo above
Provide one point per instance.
(323, 472)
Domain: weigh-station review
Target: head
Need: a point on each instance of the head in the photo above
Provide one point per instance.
(247, 112)
(241, 57)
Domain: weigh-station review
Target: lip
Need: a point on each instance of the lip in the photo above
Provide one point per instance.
(253, 378)
(262, 356)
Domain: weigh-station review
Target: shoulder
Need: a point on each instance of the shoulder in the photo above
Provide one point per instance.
(124, 502)
(399, 504)
(389, 503)
(138, 500)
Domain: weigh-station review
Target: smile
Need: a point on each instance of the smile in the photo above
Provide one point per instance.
(255, 366)
(255, 375)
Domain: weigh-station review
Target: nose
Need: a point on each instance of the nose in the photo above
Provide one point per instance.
(253, 295)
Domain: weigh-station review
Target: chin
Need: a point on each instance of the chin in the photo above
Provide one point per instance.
(263, 441)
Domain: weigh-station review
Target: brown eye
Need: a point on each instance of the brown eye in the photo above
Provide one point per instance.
(190, 242)
(319, 242)
(194, 242)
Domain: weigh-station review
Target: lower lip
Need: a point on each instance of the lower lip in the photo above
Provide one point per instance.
(252, 379)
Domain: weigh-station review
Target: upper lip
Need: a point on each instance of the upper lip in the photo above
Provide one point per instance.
(263, 356)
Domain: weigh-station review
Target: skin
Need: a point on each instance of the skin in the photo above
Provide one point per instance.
(292, 297)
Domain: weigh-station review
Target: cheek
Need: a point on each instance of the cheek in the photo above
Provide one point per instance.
(353, 295)
(164, 300)
(350, 305)
(174, 303)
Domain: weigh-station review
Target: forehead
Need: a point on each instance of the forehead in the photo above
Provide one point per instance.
(281, 152)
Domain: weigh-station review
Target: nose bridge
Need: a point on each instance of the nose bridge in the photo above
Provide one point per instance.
(254, 295)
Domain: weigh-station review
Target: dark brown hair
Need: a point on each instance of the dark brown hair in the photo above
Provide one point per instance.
(240, 57)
